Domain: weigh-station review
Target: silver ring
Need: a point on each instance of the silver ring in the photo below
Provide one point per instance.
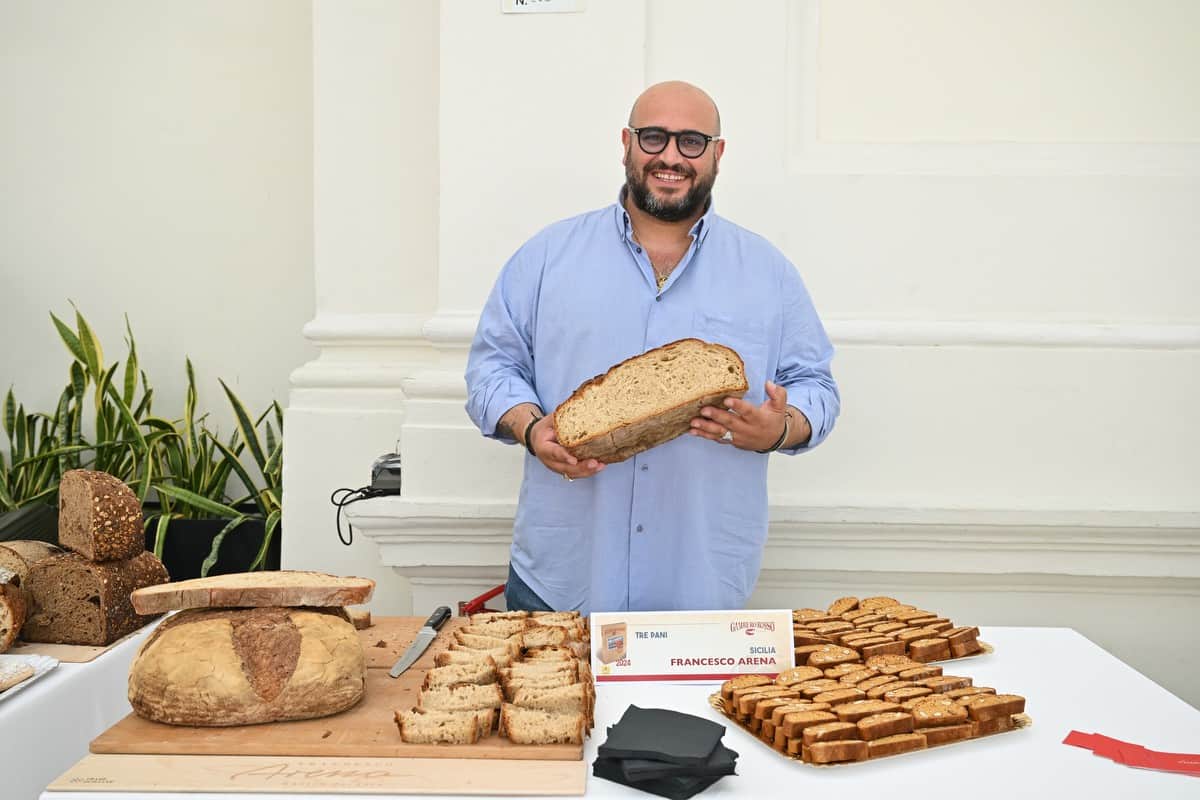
(567, 477)
(727, 436)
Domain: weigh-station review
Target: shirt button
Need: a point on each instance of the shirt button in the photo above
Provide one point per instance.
(639, 249)
(639, 528)
(645, 467)
(658, 299)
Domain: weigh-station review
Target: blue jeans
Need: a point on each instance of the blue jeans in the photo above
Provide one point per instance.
(519, 597)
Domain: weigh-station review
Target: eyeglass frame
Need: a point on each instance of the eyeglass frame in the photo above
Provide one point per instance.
(671, 135)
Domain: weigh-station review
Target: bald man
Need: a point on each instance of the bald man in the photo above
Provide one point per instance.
(680, 526)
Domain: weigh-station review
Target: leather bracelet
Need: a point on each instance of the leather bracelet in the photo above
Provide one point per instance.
(528, 430)
(787, 428)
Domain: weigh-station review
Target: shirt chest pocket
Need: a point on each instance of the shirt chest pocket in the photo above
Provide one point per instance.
(747, 337)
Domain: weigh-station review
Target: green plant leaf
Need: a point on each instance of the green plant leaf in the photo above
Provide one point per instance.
(160, 534)
(270, 439)
(70, 340)
(189, 411)
(198, 501)
(278, 415)
(268, 533)
(93, 353)
(272, 467)
(131, 365)
(18, 451)
(10, 413)
(235, 463)
(246, 428)
(213, 553)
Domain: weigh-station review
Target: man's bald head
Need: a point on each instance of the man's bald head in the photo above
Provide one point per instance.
(671, 98)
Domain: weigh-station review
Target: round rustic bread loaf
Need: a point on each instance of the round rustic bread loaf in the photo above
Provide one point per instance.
(243, 666)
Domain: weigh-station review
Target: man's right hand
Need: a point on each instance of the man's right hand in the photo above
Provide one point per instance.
(544, 439)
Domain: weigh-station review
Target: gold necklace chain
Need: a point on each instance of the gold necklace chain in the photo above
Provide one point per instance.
(659, 277)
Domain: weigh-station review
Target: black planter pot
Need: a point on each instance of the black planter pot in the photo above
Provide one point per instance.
(38, 521)
(188, 542)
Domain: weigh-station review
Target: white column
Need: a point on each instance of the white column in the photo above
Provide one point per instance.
(375, 186)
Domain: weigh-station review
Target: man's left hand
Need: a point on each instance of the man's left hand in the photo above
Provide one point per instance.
(745, 425)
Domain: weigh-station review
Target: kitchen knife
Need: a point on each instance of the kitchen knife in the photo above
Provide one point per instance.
(424, 637)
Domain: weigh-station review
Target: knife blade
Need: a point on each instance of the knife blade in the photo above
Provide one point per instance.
(425, 637)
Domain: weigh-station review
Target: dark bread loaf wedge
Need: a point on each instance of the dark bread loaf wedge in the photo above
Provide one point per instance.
(99, 517)
(20, 555)
(647, 400)
(76, 601)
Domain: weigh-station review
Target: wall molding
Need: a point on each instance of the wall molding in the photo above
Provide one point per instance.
(414, 533)
(808, 154)
(454, 330)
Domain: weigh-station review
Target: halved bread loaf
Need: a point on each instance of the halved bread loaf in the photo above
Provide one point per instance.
(647, 400)
(255, 590)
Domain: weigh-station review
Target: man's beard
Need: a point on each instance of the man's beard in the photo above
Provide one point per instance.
(668, 210)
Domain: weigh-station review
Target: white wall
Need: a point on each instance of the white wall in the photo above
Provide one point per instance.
(155, 160)
(1014, 304)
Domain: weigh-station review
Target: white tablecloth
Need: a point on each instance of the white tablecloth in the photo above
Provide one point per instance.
(47, 726)
(1070, 683)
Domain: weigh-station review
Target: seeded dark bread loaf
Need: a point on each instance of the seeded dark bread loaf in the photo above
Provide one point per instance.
(648, 399)
(99, 517)
(76, 601)
(12, 608)
(244, 666)
(20, 555)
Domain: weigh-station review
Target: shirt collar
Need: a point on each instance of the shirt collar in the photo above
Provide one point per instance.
(698, 232)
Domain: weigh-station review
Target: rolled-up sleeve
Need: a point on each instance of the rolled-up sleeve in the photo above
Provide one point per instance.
(500, 371)
(805, 355)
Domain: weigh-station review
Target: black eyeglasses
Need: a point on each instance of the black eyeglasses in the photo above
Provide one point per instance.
(691, 144)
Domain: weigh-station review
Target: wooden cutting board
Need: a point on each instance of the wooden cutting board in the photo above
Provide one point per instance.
(367, 730)
(120, 773)
(387, 639)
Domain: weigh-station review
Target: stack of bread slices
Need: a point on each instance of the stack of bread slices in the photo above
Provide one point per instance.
(82, 596)
(526, 672)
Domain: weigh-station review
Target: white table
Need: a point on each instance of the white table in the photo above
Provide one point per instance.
(1070, 683)
(47, 726)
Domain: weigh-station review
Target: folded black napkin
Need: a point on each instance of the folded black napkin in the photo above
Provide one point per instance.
(677, 787)
(659, 734)
(664, 752)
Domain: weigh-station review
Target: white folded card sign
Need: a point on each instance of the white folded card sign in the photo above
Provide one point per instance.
(690, 645)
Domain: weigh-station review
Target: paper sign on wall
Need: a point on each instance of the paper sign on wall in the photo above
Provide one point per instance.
(541, 6)
(690, 645)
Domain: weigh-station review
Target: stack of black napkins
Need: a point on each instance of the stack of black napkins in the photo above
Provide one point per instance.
(665, 753)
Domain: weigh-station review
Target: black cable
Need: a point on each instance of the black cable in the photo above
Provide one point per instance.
(349, 496)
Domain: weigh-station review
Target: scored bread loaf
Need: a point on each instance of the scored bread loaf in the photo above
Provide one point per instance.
(647, 400)
(244, 666)
(255, 590)
(12, 608)
(76, 601)
(20, 555)
(99, 517)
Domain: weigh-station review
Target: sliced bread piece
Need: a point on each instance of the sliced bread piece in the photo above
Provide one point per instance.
(531, 726)
(461, 697)
(255, 590)
(438, 727)
(479, 672)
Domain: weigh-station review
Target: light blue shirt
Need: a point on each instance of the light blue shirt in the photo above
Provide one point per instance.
(680, 526)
